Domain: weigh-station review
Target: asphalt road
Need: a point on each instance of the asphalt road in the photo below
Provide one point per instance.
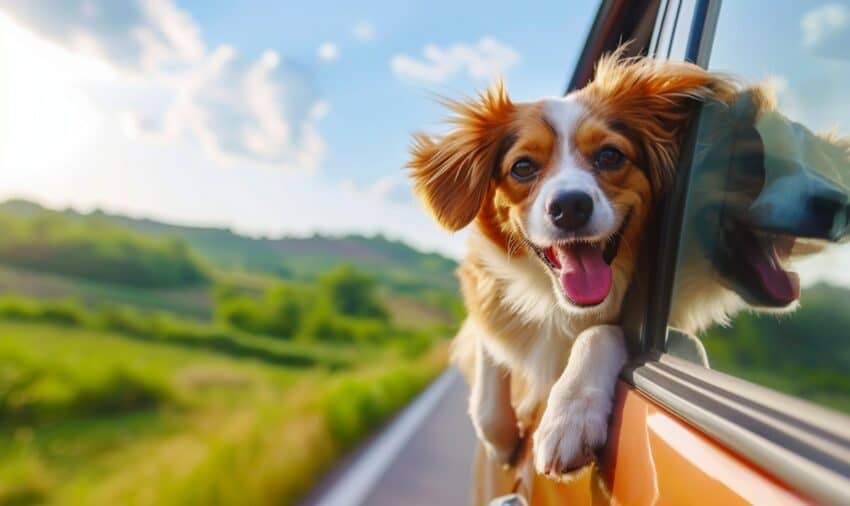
(423, 457)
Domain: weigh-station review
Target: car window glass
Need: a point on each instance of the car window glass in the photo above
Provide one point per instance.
(663, 27)
(763, 268)
(679, 41)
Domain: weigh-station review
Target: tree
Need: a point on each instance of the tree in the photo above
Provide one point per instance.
(352, 293)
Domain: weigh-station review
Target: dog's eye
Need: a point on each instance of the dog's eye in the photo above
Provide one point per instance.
(523, 170)
(609, 158)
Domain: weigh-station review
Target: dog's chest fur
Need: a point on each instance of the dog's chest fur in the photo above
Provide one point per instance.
(512, 301)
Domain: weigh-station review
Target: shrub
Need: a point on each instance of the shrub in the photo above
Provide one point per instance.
(65, 312)
(122, 390)
(122, 319)
(242, 313)
(352, 293)
(278, 313)
(34, 391)
(283, 310)
(19, 308)
(324, 324)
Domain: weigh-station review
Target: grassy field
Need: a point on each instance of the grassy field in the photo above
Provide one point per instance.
(95, 417)
(146, 363)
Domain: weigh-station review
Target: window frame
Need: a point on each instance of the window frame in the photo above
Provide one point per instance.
(800, 443)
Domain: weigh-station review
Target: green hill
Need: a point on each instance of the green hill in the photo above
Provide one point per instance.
(96, 251)
(395, 264)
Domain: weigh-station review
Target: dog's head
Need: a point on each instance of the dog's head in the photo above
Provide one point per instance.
(572, 179)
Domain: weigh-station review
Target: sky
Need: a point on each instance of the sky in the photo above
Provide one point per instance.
(267, 117)
(293, 118)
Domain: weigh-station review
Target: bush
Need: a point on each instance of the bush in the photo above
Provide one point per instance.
(33, 391)
(63, 312)
(122, 390)
(352, 293)
(324, 324)
(122, 319)
(344, 308)
(55, 311)
(241, 313)
(19, 308)
(278, 313)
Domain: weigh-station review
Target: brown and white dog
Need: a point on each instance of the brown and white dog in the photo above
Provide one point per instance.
(560, 191)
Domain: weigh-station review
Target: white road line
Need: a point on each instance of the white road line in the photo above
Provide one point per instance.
(353, 488)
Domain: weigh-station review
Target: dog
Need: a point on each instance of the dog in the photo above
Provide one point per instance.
(559, 192)
(770, 192)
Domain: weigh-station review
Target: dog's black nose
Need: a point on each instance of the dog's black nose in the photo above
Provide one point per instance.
(570, 210)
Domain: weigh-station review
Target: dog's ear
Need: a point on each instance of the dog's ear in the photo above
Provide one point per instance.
(453, 173)
(655, 100)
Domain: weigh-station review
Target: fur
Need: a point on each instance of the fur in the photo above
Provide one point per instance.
(522, 332)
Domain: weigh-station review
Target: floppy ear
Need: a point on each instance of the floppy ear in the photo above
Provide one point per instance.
(453, 173)
(656, 100)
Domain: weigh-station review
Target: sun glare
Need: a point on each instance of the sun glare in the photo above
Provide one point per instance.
(45, 115)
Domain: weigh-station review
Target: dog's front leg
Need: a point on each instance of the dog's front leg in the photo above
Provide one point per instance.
(490, 407)
(575, 421)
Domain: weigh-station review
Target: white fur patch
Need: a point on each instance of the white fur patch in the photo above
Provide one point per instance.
(563, 114)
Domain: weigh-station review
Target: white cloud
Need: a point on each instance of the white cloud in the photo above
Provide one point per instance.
(826, 30)
(328, 51)
(483, 60)
(395, 187)
(70, 131)
(168, 35)
(127, 177)
(170, 86)
(364, 31)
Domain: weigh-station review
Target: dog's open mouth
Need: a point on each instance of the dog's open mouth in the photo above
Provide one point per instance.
(584, 267)
(756, 261)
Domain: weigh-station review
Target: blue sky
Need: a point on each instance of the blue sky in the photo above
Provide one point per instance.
(293, 118)
(269, 117)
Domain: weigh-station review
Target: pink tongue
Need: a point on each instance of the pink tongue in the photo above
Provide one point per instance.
(783, 287)
(585, 276)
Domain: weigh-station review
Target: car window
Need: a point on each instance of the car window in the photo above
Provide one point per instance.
(679, 40)
(763, 268)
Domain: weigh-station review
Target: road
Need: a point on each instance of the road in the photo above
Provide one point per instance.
(423, 457)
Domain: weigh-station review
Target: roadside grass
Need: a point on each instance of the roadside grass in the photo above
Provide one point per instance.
(203, 427)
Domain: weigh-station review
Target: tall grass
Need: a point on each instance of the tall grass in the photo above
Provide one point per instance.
(213, 430)
(275, 458)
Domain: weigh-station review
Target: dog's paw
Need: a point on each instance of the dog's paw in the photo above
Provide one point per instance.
(572, 428)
